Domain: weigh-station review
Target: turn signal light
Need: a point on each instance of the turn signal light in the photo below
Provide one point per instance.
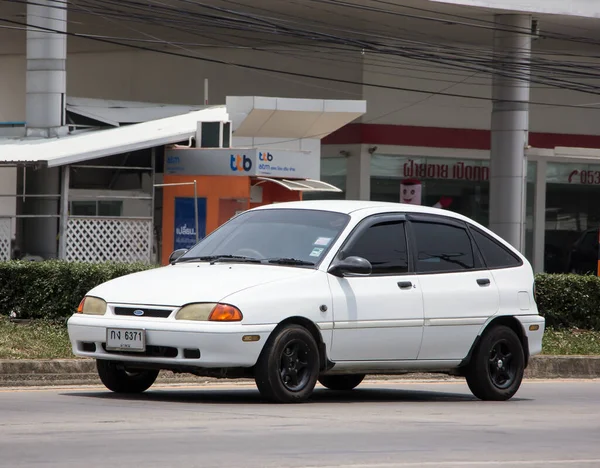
(209, 312)
(534, 327)
(225, 313)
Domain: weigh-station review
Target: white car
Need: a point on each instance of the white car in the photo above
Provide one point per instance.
(292, 293)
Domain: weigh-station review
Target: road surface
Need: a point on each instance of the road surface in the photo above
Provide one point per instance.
(379, 425)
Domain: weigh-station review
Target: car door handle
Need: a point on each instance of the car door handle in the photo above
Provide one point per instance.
(483, 282)
(404, 284)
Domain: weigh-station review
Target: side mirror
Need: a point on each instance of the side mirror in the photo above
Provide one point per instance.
(176, 254)
(351, 265)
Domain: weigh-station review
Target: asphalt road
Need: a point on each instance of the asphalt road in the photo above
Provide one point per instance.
(379, 425)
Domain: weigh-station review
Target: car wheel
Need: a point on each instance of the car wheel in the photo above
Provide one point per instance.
(116, 378)
(497, 366)
(288, 367)
(341, 382)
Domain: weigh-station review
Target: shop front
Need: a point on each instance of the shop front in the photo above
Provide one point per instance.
(562, 212)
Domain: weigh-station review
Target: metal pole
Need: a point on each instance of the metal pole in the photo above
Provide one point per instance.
(196, 210)
(64, 214)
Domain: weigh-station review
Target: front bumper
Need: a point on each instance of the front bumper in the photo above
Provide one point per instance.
(220, 345)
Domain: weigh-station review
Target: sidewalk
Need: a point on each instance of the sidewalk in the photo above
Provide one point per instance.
(83, 372)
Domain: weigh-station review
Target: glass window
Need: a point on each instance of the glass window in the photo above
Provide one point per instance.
(442, 248)
(495, 255)
(333, 171)
(572, 212)
(459, 185)
(301, 234)
(83, 208)
(384, 245)
(110, 208)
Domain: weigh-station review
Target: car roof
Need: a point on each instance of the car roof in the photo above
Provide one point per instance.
(353, 206)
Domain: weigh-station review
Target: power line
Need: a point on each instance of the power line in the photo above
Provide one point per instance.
(280, 72)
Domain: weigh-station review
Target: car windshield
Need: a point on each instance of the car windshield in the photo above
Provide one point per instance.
(295, 237)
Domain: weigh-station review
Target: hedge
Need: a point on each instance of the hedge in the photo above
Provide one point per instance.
(52, 290)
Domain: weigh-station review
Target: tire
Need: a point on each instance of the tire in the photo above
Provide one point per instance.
(288, 367)
(116, 378)
(496, 369)
(341, 382)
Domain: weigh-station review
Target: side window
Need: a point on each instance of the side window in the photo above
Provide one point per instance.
(442, 248)
(384, 245)
(494, 254)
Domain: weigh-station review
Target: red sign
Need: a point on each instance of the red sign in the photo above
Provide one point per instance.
(459, 171)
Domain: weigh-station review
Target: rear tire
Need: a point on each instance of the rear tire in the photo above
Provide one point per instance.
(496, 369)
(114, 377)
(288, 367)
(341, 382)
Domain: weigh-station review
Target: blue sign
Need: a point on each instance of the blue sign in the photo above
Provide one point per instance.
(185, 223)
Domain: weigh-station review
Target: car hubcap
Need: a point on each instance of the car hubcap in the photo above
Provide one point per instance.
(293, 368)
(501, 367)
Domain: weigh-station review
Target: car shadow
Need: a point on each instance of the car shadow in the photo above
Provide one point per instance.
(252, 396)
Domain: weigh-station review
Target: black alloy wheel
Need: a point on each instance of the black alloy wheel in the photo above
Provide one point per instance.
(288, 367)
(496, 369)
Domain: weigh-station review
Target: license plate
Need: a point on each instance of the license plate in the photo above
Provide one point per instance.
(125, 339)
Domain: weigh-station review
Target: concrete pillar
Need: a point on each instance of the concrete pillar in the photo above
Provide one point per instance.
(46, 78)
(358, 175)
(45, 102)
(510, 125)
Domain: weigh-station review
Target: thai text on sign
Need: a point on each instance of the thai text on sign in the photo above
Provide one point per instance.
(459, 171)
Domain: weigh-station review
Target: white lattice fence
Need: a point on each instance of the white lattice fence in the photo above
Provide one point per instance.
(5, 237)
(109, 239)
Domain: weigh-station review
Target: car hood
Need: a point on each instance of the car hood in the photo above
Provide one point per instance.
(176, 285)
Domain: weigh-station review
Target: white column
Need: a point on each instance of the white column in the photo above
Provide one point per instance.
(46, 78)
(358, 176)
(510, 124)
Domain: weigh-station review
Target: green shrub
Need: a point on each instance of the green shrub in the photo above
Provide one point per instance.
(53, 289)
(569, 301)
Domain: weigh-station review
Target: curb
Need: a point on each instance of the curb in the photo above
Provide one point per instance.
(30, 373)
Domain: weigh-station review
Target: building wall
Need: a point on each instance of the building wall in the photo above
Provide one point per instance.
(12, 88)
(146, 76)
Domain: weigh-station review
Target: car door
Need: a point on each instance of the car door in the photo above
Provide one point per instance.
(379, 316)
(459, 293)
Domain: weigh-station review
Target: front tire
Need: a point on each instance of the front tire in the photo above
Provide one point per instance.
(116, 378)
(341, 382)
(288, 367)
(496, 369)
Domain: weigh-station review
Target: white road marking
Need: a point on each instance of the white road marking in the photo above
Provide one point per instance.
(595, 461)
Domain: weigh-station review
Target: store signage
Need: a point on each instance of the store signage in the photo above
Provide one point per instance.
(459, 171)
(584, 177)
(243, 162)
(185, 222)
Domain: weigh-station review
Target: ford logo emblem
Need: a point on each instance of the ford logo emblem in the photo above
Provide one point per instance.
(138, 312)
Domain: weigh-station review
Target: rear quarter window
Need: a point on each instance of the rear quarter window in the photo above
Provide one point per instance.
(494, 254)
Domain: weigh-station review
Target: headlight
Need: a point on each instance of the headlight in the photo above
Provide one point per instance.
(205, 312)
(92, 306)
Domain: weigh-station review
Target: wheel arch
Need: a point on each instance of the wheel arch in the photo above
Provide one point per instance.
(508, 321)
(324, 362)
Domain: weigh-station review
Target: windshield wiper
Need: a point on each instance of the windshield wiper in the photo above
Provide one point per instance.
(288, 261)
(219, 258)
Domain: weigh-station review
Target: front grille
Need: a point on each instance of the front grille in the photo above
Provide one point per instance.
(151, 351)
(129, 311)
